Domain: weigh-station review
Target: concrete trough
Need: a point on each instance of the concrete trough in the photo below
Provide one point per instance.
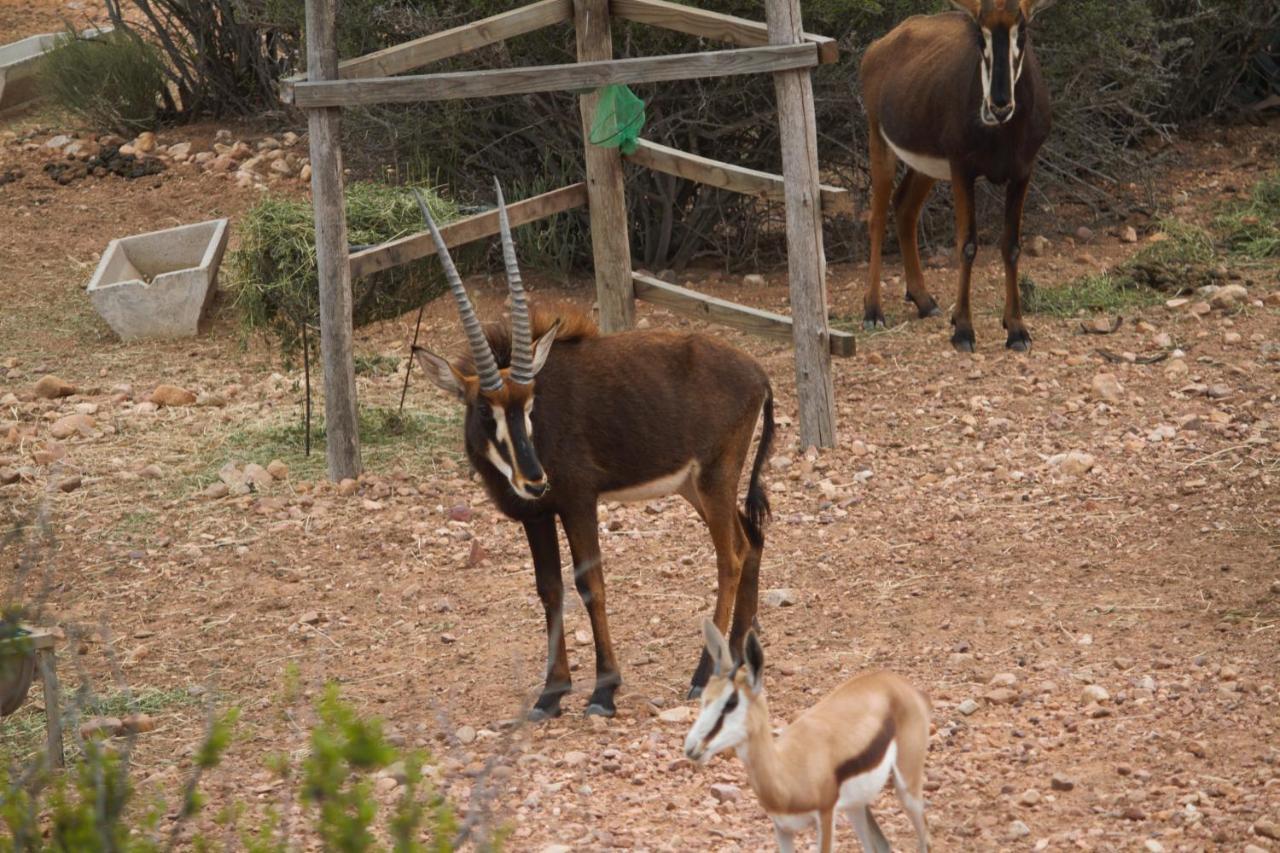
(20, 67)
(159, 285)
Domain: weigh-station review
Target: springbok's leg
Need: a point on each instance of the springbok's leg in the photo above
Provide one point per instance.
(967, 244)
(826, 830)
(907, 203)
(580, 527)
(868, 831)
(1011, 247)
(719, 504)
(546, 567)
(786, 838)
(883, 164)
(908, 782)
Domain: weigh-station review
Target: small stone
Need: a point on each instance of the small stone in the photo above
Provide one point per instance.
(145, 142)
(726, 793)
(1218, 391)
(1229, 296)
(278, 469)
(781, 462)
(180, 151)
(448, 639)
(678, 714)
(1128, 234)
(1200, 308)
(1107, 388)
(256, 474)
(967, 707)
(51, 387)
(1018, 829)
(1152, 846)
(304, 174)
(138, 723)
(781, 597)
(172, 395)
(460, 512)
(753, 280)
(556, 848)
(1061, 782)
(217, 490)
(1084, 234)
(69, 484)
(1094, 693)
(101, 727)
(348, 487)
(9, 476)
(1001, 696)
(575, 758)
(311, 617)
(1074, 463)
(1267, 829)
(1038, 246)
(1030, 797)
(70, 425)
(465, 734)
(1003, 679)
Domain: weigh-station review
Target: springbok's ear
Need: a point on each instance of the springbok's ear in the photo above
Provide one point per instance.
(441, 372)
(970, 7)
(542, 348)
(1031, 8)
(717, 647)
(753, 655)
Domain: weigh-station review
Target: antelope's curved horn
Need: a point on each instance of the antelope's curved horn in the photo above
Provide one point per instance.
(521, 332)
(486, 365)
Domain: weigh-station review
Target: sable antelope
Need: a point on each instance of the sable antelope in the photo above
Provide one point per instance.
(836, 756)
(627, 417)
(956, 96)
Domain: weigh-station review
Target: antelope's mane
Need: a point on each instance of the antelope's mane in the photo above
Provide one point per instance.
(575, 325)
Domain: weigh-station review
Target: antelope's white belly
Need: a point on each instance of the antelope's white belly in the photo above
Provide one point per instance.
(935, 167)
(865, 787)
(653, 489)
(795, 823)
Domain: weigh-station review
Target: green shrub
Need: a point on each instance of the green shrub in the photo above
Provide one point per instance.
(273, 273)
(1251, 228)
(113, 81)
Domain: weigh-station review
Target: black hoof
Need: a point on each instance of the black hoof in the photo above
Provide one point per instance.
(595, 709)
(963, 340)
(931, 311)
(601, 702)
(695, 692)
(1019, 341)
(872, 319)
(538, 712)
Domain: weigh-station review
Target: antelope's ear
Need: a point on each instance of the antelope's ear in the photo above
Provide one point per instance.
(717, 647)
(441, 372)
(753, 655)
(973, 8)
(542, 347)
(1031, 8)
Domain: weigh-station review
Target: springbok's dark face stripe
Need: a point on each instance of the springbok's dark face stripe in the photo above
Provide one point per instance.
(871, 756)
(728, 708)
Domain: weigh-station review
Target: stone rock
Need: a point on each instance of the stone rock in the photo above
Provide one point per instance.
(145, 142)
(1073, 463)
(151, 472)
(556, 848)
(1176, 369)
(1001, 696)
(257, 475)
(50, 387)
(138, 723)
(1018, 829)
(9, 476)
(1061, 782)
(1266, 828)
(1152, 846)
(180, 151)
(1128, 234)
(1030, 797)
(967, 707)
(678, 714)
(1229, 296)
(781, 462)
(281, 167)
(101, 727)
(348, 487)
(1107, 387)
(304, 174)
(222, 163)
(1003, 679)
(781, 597)
(278, 469)
(1084, 234)
(1200, 308)
(575, 758)
(70, 425)
(1094, 693)
(69, 484)
(726, 793)
(290, 139)
(58, 142)
(240, 151)
(172, 395)
(465, 734)
(1038, 246)
(217, 490)
(753, 280)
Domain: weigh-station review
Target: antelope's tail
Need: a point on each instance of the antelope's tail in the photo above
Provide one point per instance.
(757, 503)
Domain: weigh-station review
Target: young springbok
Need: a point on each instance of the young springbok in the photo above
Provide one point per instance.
(956, 96)
(627, 417)
(836, 756)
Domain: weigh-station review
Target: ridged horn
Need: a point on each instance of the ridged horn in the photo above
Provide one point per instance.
(521, 332)
(486, 365)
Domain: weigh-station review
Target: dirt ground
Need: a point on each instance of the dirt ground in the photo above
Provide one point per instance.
(942, 538)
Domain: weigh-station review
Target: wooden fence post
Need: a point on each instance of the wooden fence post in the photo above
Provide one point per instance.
(341, 419)
(610, 237)
(806, 262)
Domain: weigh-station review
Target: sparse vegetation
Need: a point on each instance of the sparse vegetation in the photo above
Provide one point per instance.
(1251, 229)
(112, 81)
(1102, 292)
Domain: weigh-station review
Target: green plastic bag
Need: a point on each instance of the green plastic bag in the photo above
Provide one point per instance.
(619, 119)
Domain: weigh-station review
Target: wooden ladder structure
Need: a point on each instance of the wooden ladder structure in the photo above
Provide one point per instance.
(780, 48)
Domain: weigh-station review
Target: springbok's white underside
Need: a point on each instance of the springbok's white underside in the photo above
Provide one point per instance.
(654, 489)
(935, 167)
(856, 791)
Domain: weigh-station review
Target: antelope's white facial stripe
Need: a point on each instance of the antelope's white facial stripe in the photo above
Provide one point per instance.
(721, 724)
(502, 439)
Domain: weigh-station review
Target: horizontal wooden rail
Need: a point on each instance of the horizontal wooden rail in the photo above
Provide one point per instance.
(690, 303)
(712, 25)
(671, 161)
(449, 43)
(414, 246)
(551, 78)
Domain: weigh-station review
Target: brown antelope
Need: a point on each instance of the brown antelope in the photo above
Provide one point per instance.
(956, 96)
(836, 756)
(627, 417)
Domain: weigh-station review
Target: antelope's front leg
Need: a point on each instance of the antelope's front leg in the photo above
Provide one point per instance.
(580, 527)
(967, 244)
(1011, 248)
(545, 548)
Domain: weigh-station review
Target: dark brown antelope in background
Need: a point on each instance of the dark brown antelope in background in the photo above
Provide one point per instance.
(956, 96)
(627, 417)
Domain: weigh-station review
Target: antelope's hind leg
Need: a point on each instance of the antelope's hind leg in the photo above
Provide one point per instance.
(908, 201)
(868, 831)
(580, 527)
(883, 164)
(546, 566)
(962, 188)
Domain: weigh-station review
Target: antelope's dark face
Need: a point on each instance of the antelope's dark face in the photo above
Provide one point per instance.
(1002, 44)
(498, 424)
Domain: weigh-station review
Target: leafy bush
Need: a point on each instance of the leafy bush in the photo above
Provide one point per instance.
(1252, 228)
(111, 81)
(274, 271)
